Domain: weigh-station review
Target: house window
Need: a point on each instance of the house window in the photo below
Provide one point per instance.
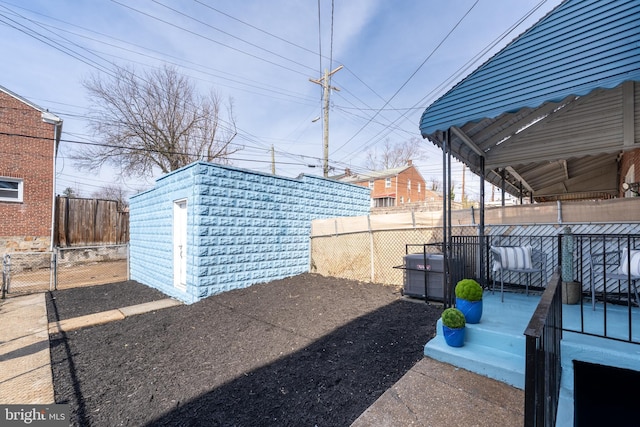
(402, 200)
(371, 185)
(419, 187)
(409, 185)
(387, 183)
(10, 190)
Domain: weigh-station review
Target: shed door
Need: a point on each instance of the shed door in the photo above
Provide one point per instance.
(180, 244)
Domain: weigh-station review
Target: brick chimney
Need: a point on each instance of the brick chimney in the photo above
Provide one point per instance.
(347, 172)
(409, 162)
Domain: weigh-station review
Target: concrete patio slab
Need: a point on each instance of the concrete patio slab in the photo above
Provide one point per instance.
(433, 393)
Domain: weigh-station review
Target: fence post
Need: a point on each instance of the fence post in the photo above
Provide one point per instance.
(54, 269)
(128, 261)
(6, 274)
(371, 254)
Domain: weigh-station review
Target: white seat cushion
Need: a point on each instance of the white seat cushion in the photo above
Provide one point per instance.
(514, 258)
(635, 263)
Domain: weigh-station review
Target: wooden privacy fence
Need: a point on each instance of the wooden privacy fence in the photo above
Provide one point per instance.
(86, 222)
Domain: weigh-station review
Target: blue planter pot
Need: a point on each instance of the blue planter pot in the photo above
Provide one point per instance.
(472, 310)
(453, 336)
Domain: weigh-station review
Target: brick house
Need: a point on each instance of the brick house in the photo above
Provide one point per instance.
(29, 138)
(392, 187)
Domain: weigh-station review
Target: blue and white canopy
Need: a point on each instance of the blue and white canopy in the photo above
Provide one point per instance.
(553, 110)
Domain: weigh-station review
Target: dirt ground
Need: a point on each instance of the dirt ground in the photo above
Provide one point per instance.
(303, 351)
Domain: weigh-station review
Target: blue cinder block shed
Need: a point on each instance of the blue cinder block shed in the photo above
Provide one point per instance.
(207, 228)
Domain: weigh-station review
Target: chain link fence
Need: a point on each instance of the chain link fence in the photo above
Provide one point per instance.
(27, 272)
(371, 256)
(31, 272)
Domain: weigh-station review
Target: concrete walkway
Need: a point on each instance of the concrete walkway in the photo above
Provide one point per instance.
(432, 393)
(25, 371)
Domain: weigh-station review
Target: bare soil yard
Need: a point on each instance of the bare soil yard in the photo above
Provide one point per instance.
(303, 351)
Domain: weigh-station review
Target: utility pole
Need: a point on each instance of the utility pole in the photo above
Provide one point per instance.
(325, 81)
(273, 161)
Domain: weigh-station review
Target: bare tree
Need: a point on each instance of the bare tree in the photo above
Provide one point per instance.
(394, 155)
(112, 192)
(154, 120)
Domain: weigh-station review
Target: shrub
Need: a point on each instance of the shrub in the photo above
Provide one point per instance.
(453, 318)
(469, 289)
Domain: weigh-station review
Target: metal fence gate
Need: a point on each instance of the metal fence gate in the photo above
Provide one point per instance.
(32, 272)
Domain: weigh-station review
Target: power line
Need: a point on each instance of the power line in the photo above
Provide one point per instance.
(412, 74)
(231, 35)
(264, 31)
(461, 70)
(207, 38)
(232, 78)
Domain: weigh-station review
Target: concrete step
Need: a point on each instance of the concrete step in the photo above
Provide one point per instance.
(500, 338)
(489, 334)
(500, 365)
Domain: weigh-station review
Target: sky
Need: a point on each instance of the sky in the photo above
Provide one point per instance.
(397, 58)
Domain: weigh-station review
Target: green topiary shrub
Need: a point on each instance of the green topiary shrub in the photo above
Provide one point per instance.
(469, 289)
(453, 318)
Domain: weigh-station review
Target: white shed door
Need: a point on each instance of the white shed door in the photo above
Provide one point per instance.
(180, 244)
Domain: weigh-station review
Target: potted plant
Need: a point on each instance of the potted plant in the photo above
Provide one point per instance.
(453, 323)
(469, 299)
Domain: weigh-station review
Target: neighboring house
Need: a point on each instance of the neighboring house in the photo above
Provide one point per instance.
(393, 187)
(29, 138)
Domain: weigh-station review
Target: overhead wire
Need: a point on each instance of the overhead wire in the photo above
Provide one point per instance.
(412, 74)
(454, 76)
(371, 118)
(227, 34)
(214, 72)
(164, 21)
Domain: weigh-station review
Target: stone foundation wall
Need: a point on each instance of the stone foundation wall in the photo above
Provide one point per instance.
(10, 244)
(84, 255)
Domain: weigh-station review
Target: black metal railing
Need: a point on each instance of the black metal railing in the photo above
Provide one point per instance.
(466, 249)
(607, 269)
(542, 357)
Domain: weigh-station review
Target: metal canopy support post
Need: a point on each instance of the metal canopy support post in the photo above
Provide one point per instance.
(449, 247)
(445, 192)
(520, 192)
(481, 226)
(503, 184)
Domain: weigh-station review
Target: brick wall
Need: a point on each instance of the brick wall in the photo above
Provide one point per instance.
(243, 227)
(24, 225)
(629, 158)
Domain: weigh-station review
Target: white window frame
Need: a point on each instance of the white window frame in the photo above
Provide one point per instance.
(387, 183)
(409, 184)
(18, 191)
(419, 187)
(371, 183)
